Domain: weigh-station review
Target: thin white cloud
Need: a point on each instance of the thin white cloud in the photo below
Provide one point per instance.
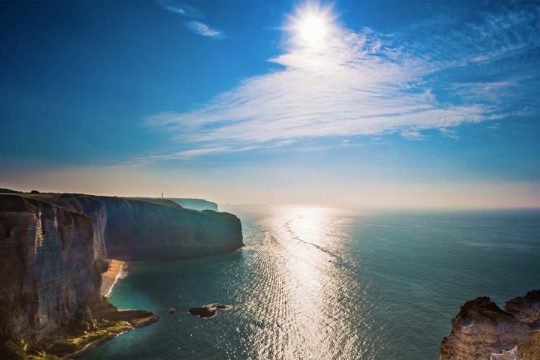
(449, 133)
(184, 154)
(350, 88)
(204, 30)
(412, 134)
(357, 84)
(179, 8)
(195, 26)
(192, 153)
(494, 91)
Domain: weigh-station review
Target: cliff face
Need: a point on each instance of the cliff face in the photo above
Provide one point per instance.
(48, 274)
(151, 229)
(55, 246)
(142, 230)
(482, 330)
(196, 204)
(93, 208)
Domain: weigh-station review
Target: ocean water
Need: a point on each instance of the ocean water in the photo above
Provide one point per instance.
(320, 283)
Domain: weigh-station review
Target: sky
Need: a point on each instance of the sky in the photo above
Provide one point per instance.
(428, 104)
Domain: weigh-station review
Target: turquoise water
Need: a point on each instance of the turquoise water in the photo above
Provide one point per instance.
(316, 283)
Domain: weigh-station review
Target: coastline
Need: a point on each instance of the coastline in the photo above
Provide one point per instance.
(117, 270)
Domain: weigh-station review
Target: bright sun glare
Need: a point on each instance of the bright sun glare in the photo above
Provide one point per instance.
(312, 28)
(311, 25)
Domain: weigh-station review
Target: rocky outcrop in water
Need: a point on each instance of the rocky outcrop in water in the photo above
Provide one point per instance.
(482, 330)
(54, 248)
(209, 310)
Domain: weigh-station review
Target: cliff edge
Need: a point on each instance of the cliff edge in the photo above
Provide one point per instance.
(482, 330)
(54, 248)
(196, 204)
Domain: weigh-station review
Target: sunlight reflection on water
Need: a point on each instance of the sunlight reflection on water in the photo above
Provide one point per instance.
(306, 290)
(321, 283)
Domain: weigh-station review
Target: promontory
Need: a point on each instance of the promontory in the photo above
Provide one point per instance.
(54, 248)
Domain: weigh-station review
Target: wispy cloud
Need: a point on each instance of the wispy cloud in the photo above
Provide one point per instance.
(204, 30)
(359, 83)
(179, 8)
(345, 90)
(412, 134)
(196, 26)
(184, 155)
(449, 133)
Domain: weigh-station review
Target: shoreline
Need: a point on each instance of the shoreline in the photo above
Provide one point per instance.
(117, 270)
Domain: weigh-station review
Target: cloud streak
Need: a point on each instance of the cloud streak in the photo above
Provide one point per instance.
(195, 26)
(357, 84)
(204, 30)
(179, 8)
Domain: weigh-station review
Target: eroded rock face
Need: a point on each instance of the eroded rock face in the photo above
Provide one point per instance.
(53, 248)
(95, 210)
(526, 308)
(150, 230)
(481, 330)
(48, 273)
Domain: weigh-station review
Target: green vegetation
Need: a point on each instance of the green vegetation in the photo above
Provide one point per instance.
(106, 329)
(70, 346)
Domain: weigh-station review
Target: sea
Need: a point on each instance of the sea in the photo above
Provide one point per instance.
(324, 283)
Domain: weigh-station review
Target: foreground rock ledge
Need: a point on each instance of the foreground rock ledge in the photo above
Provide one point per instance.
(482, 330)
(80, 337)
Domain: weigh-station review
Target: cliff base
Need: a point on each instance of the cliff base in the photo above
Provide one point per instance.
(81, 336)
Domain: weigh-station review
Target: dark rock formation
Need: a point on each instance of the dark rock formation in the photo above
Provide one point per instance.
(8, 191)
(142, 230)
(152, 229)
(203, 312)
(48, 275)
(482, 330)
(209, 311)
(136, 318)
(196, 204)
(526, 308)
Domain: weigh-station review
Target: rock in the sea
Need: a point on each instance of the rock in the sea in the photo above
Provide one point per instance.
(482, 330)
(203, 312)
(209, 310)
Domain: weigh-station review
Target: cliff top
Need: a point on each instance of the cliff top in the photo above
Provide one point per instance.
(185, 203)
(481, 307)
(18, 202)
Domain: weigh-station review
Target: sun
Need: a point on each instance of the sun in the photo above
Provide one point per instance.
(312, 28)
(311, 25)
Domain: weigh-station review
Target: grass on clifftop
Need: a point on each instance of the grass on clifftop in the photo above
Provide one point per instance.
(106, 329)
(71, 346)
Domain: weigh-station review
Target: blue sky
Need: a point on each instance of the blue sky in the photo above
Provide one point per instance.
(399, 103)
